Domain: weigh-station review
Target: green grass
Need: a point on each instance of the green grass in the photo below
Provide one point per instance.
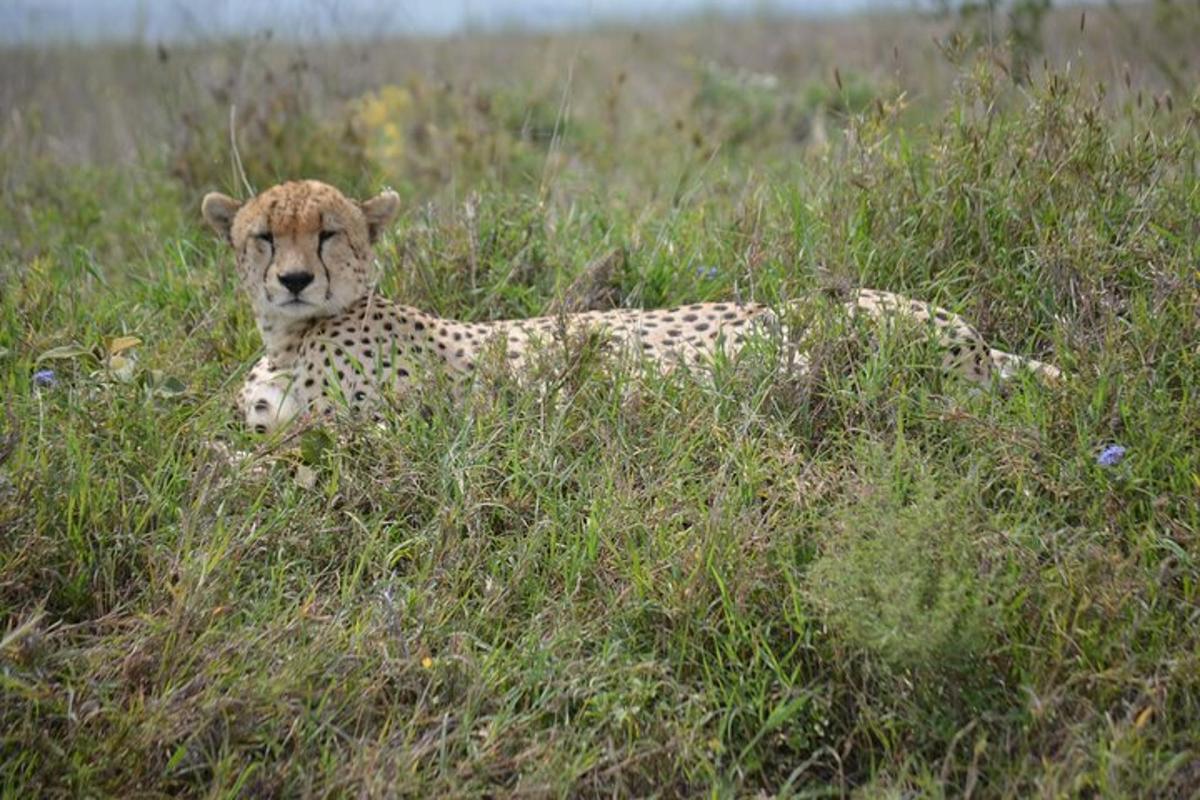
(864, 581)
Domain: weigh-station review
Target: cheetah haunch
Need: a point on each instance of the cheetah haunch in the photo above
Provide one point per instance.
(304, 256)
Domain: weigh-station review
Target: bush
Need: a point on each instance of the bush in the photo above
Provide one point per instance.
(906, 569)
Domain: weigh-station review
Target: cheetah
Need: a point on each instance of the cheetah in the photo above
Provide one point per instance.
(304, 256)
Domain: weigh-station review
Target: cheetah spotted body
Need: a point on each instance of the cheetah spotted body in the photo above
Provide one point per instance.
(303, 256)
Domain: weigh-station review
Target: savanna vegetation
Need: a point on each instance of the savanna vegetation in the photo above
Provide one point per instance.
(864, 581)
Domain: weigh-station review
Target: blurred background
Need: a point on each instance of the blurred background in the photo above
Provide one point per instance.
(323, 19)
(420, 93)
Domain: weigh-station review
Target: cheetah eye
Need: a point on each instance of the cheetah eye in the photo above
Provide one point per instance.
(267, 237)
(325, 236)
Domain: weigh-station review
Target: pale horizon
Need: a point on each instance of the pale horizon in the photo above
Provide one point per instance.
(39, 21)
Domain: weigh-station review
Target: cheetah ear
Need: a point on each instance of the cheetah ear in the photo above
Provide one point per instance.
(379, 211)
(219, 210)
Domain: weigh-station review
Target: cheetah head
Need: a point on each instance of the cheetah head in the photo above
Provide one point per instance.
(303, 248)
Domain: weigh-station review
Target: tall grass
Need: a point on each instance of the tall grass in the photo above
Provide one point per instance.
(864, 581)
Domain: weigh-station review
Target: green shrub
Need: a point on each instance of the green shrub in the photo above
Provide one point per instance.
(903, 570)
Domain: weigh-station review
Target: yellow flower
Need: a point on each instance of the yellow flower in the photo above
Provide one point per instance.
(395, 97)
(373, 113)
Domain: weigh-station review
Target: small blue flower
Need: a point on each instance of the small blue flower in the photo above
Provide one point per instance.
(1111, 455)
(44, 378)
(706, 272)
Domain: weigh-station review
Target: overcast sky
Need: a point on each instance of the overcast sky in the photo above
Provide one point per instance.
(166, 20)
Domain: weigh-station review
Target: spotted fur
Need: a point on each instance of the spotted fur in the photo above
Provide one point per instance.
(303, 256)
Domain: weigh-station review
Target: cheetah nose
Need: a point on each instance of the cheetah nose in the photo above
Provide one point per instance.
(295, 282)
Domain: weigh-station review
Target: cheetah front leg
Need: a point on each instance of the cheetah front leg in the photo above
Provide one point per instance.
(268, 401)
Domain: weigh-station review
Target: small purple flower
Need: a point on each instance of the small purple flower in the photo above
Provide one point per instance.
(1111, 455)
(44, 378)
(706, 272)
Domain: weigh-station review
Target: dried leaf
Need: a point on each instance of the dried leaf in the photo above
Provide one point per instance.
(306, 477)
(122, 343)
(63, 352)
(122, 367)
(1143, 717)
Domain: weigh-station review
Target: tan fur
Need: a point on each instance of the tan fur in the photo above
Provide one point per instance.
(335, 339)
